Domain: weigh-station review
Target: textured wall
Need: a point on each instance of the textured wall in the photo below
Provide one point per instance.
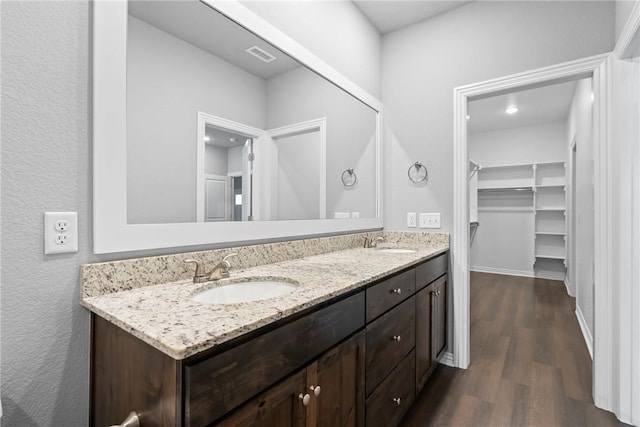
(45, 167)
(422, 64)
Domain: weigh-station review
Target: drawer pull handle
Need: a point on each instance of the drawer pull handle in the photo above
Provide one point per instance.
(305, 398)
(316, 390)
(397, 291)
(397, 338)
(397, 400)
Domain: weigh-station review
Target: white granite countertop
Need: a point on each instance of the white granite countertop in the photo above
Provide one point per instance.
(165, 317)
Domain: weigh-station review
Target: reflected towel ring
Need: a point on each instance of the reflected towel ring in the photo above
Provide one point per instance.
(349, 177)
(417, 176)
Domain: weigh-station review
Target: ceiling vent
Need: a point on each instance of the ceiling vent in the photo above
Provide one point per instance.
(262, 55)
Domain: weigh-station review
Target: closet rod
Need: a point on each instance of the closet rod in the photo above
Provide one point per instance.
(488, 190)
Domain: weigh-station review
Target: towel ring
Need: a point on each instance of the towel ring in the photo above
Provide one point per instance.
(415, 177)
(349, 177)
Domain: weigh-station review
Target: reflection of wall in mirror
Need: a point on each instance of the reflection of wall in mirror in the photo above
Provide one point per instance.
(351, 128)
(298, 176)
(168, 81)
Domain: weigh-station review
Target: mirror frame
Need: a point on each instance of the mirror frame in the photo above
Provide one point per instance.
(111, 232)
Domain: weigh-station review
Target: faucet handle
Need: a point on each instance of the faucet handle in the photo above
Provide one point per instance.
(225, 259)
(198, 272)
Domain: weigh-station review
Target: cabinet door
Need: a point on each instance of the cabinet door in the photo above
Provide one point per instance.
(340, 375)
(279, 406)
(425, 300)
(440, 317)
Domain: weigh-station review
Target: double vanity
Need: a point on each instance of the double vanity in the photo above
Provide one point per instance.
(350, 336)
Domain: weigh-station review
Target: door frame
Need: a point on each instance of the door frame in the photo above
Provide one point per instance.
(598, 68)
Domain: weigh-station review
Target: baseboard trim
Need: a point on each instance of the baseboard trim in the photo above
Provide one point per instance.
(552, 276)
(447, 359)
(502, 271)
(588, 339)
(567, 284)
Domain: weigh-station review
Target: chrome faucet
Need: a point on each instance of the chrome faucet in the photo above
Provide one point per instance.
(220, 271)
(370, 242)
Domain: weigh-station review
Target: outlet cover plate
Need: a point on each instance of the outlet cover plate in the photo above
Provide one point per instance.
(411, 219)
(60, 227)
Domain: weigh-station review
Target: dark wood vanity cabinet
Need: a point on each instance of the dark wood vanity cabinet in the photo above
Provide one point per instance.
(431, 316)
(370, 353)
(297, 400)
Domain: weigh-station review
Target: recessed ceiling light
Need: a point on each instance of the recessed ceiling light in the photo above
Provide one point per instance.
(206, 138)
(232, 139)
(511, 109)
(468, 117)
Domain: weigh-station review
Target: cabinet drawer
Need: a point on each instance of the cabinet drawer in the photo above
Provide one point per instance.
(382, 410)
(216, 385)
(386, 294)
(389, 339)
(429, 271)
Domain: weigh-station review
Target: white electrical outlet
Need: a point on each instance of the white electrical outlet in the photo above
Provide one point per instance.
(60, 232)
(411, 219)
(355, 215)
(430, 220)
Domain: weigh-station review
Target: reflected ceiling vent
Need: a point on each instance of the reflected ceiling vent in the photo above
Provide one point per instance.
(261, 54)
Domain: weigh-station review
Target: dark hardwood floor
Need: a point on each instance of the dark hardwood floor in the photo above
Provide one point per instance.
(529, 363)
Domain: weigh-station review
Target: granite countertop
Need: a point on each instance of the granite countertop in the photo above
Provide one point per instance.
(165, 317)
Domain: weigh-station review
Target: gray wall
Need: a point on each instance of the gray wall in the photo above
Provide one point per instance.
(623, 11)
(579, 125)
(165, 117)
(46, 154)
(482, 40)
(335, 31)
(348, 145)
(46, 166)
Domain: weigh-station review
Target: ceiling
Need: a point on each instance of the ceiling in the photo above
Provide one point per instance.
(203, 27)
(391, 15)
(548, 104)
(223, 138)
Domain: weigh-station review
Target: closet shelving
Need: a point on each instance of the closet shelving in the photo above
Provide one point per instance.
(545, 183)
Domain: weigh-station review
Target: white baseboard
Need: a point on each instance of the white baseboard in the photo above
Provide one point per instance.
(567, 284)
(588, 339)
(447, 359)
(549, 275)
(502, 271)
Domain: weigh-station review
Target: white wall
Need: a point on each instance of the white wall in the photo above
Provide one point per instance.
(46, 166)
(165, 114)
(335, 31)
(504, 241)
(482, 40)
(579, 125)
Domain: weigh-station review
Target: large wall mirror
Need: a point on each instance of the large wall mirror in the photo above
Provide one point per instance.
(211, 126)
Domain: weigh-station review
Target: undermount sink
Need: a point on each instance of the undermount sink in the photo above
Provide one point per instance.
(245, 291)
(395, 250)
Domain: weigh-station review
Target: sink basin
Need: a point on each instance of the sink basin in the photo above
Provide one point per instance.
(395, 250)
(245, 291)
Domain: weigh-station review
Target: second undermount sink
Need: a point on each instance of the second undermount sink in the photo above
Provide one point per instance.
(248, 290)
(395, 250)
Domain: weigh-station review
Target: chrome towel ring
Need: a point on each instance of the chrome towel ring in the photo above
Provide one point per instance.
(417, 173)
(349, 177)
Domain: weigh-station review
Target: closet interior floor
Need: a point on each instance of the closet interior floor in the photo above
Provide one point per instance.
(529, 362)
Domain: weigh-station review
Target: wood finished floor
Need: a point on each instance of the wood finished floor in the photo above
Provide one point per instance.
(529, 363)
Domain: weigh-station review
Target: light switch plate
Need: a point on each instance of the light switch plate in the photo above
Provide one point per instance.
(60, 232)
(430, 220)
